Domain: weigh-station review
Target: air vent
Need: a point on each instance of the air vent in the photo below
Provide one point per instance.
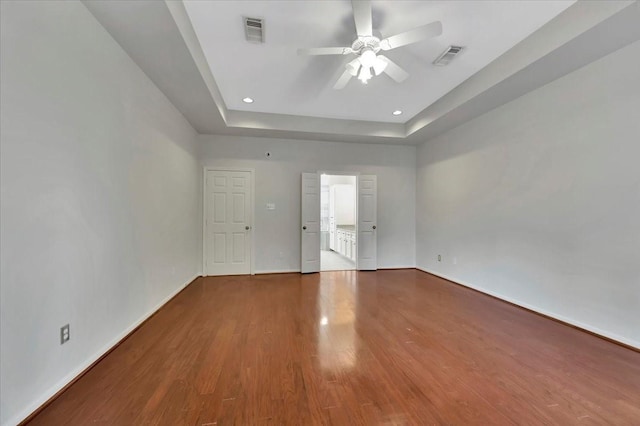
(254, 30)
(448, 55)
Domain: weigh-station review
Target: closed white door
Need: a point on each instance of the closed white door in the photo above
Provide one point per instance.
(367, 246)
(227, 222)
(310, 223)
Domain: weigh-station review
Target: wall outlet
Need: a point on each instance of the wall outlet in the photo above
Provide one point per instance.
(65, 335)
(439, 258)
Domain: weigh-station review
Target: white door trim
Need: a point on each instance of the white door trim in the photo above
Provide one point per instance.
(252, 173)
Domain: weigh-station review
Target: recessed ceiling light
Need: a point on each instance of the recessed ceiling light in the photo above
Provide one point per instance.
(247, 100)
(397, 112)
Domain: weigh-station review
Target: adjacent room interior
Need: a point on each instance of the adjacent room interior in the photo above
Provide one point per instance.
(338, 242)
(319, 212)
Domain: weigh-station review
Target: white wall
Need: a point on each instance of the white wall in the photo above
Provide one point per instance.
(538, 201)
(277, 180)
(344, 201)
(100, 207)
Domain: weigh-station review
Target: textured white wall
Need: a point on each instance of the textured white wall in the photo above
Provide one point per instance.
(277, 180)
(100, 208)
(538, 201)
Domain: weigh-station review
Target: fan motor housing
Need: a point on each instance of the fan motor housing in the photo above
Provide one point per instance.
(363, 43)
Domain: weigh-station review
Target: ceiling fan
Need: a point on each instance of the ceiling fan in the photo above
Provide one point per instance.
(366, 47)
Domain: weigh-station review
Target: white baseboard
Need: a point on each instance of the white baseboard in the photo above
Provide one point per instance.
(397, 267)
(278, 271)
(539, 310)
(293, 271)
(77, 371)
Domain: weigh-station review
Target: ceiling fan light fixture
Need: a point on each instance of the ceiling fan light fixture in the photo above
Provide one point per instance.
(353, 67)
(365, 75)
(367, 46)
(368, 58)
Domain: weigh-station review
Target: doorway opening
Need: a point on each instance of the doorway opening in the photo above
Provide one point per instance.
(338, 218)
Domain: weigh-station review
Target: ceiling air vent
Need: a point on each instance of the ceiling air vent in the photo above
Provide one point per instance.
(448, 55)
(254, 30)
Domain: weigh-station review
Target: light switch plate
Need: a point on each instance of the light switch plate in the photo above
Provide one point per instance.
(271, 206)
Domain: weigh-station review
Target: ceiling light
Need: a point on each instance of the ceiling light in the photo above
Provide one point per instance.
(365, 75)
(368, 58)
(353, 67)
(397, 112)
(247, 100)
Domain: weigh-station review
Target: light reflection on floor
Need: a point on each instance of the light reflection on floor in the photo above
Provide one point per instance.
(337, 305)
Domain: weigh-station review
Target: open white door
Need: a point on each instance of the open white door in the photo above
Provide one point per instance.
(310, 237)
(367, 245)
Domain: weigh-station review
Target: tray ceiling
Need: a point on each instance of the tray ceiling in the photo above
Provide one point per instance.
(161, 36)
(282, 82)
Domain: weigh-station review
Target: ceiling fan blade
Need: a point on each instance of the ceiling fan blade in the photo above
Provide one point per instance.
(313, 51)
(393, 70)
(379, 66)
(342, 80)
(362, 17)
(424, 32)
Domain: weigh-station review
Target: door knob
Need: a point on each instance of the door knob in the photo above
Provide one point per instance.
(374, 227)
(304, 227)
(247, 227)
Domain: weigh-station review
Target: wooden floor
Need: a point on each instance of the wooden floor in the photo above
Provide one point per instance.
(349, 348)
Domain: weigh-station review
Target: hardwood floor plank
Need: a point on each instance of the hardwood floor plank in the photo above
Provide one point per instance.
(352, 348)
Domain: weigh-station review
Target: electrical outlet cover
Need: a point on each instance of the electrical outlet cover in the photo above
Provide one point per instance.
(65, 334)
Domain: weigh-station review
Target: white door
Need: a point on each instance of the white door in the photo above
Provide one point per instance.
(367, 246)
(310, 222)
(227, 222)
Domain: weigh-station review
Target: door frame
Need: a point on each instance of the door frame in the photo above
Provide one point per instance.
(344, 173)
(252, 250)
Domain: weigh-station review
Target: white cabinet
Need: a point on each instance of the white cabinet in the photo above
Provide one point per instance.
(333, 236)
(346, 243)
(347, 251)
(342, 212)
(352, 245)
